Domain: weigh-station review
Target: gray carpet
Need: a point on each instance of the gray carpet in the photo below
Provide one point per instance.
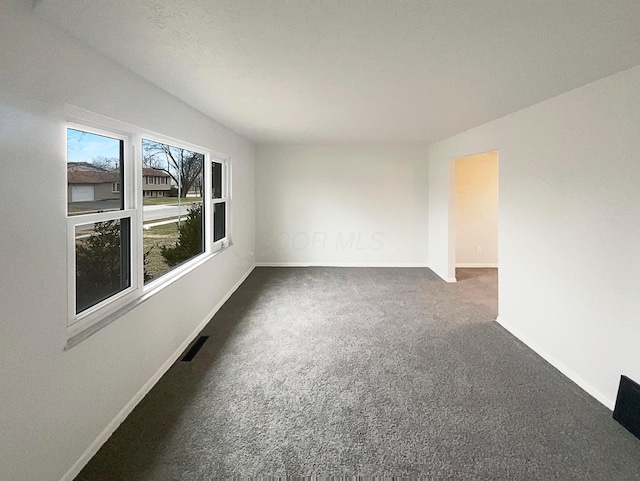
(365, 372)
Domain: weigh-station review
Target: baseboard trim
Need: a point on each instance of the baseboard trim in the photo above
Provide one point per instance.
(609, 403)
(337, 264)
(144, 390)
(477, 265)
(449, 280)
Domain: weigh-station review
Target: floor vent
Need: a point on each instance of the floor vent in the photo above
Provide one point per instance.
(195, 348)
(627, 411)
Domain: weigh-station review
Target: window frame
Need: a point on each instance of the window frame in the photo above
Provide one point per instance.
(224, 199)
(132, 182)
(79, 321)
(159, 281)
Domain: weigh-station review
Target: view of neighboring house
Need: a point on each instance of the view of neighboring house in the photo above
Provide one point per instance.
(87, 182)
(155, 183)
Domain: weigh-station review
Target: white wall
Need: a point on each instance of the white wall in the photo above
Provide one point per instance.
(569, 227)
(476, 211)
(341, 205)
(54, 404)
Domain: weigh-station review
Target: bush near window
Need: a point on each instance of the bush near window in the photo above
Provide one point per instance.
(189, 243)
(98, 263)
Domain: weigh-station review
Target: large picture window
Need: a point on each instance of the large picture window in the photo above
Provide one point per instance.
(140, 211)
(174, 226)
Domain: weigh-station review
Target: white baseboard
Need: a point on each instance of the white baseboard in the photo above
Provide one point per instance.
(476, 265)
(337, 264)
(560, 366)
(450, 280)
(133, 402)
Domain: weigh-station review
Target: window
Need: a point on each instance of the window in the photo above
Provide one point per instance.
(98, 222)
(102, 261)
(127, 238)
(181, 234)
(219, 195)
(94, 162)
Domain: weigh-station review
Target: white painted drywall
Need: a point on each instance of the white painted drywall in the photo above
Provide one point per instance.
(569, 227)
(54, 404)
(341, 205)
(476, 213)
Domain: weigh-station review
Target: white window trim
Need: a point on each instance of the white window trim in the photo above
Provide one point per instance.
(226, 198)
(208, 235)
(80, 326)
(77, 321)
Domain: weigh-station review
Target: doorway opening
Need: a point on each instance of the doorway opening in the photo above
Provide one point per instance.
(476, 221)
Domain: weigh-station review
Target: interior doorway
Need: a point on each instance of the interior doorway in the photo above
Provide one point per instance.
(476, 219)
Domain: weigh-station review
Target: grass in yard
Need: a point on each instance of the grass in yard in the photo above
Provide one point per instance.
(76, 210)
(147, 222)
(154, 239)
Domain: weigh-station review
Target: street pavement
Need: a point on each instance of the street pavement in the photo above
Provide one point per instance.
(150, 212)
(153, 212)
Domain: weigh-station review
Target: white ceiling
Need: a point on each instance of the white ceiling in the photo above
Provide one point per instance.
(359, 70)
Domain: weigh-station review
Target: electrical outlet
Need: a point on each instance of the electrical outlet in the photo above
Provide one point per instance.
(478, 250)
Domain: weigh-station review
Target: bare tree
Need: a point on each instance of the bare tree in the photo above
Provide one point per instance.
(105, 163)
(184, 166)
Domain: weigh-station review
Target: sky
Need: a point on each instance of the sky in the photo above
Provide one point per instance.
(83, 146)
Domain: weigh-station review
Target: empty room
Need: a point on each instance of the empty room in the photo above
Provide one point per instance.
(319, 239)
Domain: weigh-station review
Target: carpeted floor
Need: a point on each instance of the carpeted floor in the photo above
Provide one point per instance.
(365, 372)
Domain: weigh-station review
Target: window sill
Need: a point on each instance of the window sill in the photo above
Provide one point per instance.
(75, 337)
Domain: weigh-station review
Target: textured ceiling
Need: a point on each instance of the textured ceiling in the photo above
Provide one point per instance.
(358, 70)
